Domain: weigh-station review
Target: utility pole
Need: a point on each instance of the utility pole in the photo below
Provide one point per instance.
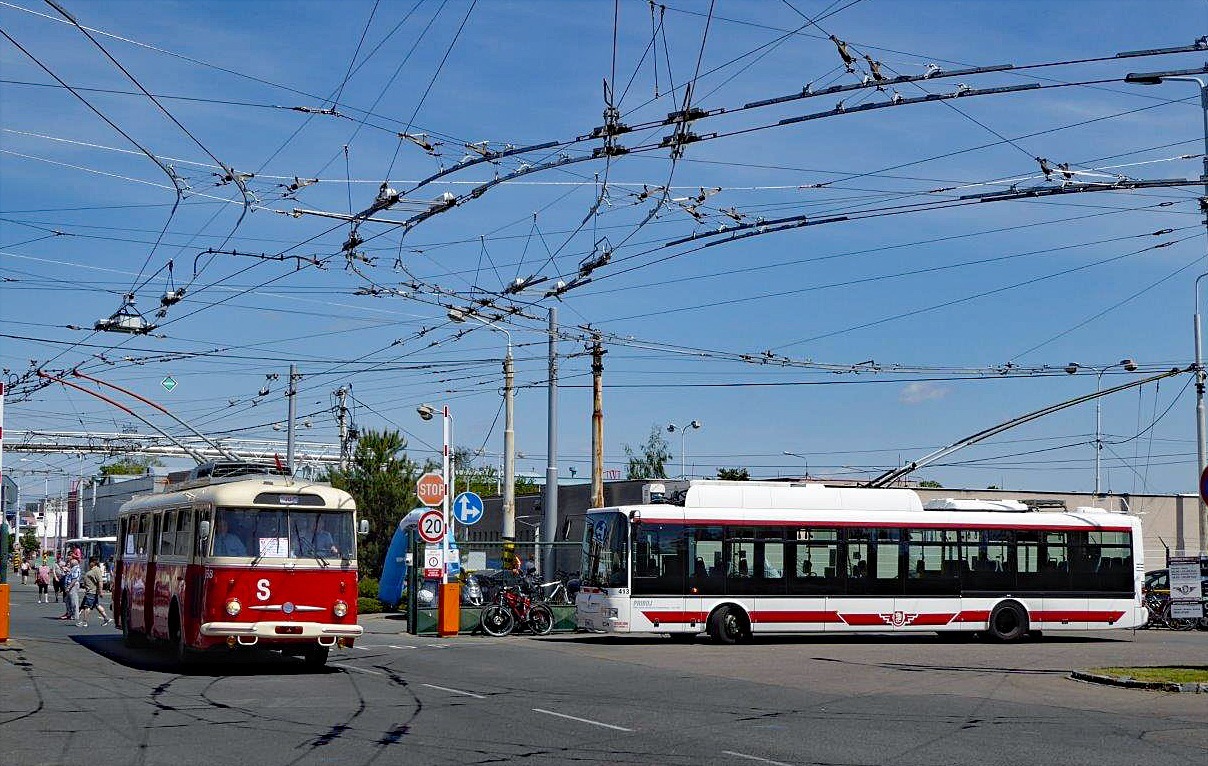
(292, 395)
(509, 461)
(597, 423)
(342, 422)
(549, 520)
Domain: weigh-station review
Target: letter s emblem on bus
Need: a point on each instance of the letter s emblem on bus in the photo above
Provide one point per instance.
(262, 591)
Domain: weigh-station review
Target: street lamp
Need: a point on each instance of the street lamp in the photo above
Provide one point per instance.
(1073, 367)
(1157, 78)
(446, 601)
(508, 533)
(803, 457)
(672, 428)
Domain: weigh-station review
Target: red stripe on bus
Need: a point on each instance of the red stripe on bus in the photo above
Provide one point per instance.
(781, 617)
(674, 616)
(1070, 615)
(870, 523)
(978, 615)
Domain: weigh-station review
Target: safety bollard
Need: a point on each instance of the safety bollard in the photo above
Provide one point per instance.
(449, 611)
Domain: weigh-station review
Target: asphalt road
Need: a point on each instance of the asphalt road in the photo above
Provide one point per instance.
(73, 696)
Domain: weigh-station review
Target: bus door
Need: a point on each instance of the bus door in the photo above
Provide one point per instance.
(149, 541)
(706, 578)
(931, 586)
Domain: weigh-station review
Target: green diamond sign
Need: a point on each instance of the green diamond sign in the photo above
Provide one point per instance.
(168, 383)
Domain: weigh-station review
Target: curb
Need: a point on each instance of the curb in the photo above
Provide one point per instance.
(1132, 683)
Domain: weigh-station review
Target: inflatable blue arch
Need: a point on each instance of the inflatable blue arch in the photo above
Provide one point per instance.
(393, 585)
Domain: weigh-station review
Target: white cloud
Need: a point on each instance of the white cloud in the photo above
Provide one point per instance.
(917, 393)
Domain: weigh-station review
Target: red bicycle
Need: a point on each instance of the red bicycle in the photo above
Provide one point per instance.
(513, 609)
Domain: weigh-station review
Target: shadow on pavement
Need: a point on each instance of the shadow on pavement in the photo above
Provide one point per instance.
(160, 657)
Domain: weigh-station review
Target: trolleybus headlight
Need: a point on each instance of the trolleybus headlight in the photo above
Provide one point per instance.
(340, 609)
(233, 607)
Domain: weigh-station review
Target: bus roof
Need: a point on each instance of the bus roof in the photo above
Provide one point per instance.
(258, 491)
(766, 503)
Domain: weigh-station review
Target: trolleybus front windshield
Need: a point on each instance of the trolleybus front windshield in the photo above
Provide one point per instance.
(606, 550)
(281, 533)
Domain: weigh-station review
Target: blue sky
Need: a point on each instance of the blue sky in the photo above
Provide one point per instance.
(856, 343)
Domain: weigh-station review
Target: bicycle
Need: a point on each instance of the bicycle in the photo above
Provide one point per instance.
(1159, 614)
(513, 609)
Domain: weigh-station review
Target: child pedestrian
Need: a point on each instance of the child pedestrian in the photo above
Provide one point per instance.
(92, 593)
(42, 578)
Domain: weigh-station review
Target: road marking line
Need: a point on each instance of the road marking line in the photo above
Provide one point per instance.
(393, 646)
(581, 720)
(755, 758)
(438, 646)
(454, 691)
(356, 670)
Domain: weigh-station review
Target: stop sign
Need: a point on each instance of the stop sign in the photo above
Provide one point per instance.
(430, 489)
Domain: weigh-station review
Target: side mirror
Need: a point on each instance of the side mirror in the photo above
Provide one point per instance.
(203, 529)
(363, 527)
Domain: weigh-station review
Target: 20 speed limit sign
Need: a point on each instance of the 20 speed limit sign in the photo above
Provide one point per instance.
(432, 526)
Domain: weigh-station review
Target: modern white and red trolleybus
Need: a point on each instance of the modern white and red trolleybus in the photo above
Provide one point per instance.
(739, 558)
(237, 558)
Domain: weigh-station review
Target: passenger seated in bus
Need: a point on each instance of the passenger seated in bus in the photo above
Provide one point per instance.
(743, 569)
(227, 543)
(698, 570)
(807, 569)
(860, 569)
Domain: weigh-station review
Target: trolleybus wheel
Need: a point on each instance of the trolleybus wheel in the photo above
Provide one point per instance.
(1008, 622)
(497, 620)
(726, 625)
(185, 655)
(129, 637)
(315, 656)
(541, 620)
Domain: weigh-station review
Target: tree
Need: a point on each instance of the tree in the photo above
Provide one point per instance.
(733, 474)
(649, 460)
(484, 480)
(929, 484)
(30, 543)
(130, 466)
(381, 478)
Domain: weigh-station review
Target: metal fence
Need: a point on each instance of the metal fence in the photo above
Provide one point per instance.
(485, 558)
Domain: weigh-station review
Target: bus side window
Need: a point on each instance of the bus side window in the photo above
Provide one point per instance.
(184, 532)
(203, 542)
(167, 534)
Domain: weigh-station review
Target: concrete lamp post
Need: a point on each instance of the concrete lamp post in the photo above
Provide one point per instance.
(1072, 368)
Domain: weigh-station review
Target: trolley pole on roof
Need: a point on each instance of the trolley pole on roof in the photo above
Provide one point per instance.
(292, 394)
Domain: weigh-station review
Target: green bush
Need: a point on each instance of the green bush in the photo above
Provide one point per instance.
(369, 606)
(367, 587)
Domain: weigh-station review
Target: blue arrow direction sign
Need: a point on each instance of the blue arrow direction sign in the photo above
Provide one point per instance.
(168, 383)
(467, 508)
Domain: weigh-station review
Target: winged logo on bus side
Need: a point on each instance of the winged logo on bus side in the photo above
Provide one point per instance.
(899, 618)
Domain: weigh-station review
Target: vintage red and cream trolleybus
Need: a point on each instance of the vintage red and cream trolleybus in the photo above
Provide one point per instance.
(236, 556)
(739, 558)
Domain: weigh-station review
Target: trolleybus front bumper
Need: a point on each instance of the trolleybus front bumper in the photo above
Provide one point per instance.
(280, 630)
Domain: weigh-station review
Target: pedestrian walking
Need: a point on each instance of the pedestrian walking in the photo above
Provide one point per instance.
(24, 571)
(71, 589)
(57, 573)
(42, 580)
(92, 582)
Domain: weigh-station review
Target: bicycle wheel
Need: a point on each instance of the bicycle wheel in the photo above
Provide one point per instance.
(540, 620)
(1177, 623)
(497, 620)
